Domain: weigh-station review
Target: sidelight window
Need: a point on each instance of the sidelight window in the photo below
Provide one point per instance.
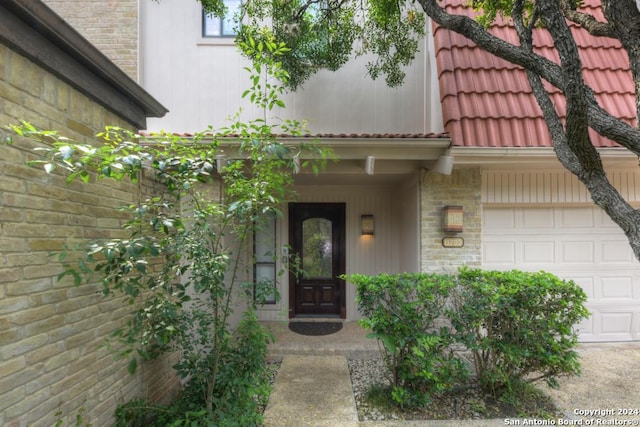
(265, 257)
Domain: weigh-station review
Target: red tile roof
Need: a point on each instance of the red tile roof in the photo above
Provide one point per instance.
(487, 102)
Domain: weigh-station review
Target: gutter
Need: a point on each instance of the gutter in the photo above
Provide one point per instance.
(471, 155)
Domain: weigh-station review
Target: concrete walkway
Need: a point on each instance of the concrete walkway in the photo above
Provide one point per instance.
(312, 391)
(313, 385)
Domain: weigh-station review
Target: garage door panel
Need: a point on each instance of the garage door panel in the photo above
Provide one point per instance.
(538, 218)
(534, 252)
(616, 287)
(580, 244)
(615, 323)
(616, 252)
(577, 252)
(500, 219)
(576, 217)
(500, 253)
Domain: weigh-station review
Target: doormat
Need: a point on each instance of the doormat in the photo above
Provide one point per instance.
(315, 328)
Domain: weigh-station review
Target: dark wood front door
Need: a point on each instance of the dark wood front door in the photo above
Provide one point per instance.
(317, 240)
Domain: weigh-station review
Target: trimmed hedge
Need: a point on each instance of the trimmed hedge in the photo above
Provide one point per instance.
(517, 326)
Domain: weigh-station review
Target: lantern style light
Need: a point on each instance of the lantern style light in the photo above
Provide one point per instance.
(367, 224)
(453, 219)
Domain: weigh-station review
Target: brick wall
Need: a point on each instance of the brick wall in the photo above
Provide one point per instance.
(461, 188)
(111, 26)
(50, 331)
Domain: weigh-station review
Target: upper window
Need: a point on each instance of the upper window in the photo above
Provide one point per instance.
(221, 27)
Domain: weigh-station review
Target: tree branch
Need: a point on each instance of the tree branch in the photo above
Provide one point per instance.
(587, 21)
(600, 120)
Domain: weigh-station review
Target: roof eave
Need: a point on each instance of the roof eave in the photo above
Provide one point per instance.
(360, 147)
(532, 155)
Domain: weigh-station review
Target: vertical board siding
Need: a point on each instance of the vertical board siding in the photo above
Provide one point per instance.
(549, 187)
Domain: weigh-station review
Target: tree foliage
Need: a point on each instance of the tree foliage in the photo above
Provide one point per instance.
(325, 34)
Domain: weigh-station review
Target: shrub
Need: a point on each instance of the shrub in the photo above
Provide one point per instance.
(402, 312)
(242, 388)
(518, 326)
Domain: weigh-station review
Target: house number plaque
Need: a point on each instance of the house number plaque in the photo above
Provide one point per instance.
(452, 242)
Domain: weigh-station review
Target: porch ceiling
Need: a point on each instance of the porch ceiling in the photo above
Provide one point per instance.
(393, 160)
(352, 172)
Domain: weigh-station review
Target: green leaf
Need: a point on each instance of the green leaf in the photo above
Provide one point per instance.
(132, 366)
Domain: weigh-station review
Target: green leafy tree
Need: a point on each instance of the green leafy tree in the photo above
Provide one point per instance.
(325, 33)
(182, 263)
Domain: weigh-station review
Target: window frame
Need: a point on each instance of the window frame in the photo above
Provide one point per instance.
(219, 23)
(269, 224)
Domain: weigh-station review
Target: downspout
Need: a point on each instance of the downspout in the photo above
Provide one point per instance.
(421, 173)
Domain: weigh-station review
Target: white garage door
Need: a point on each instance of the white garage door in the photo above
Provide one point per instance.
(581, 244)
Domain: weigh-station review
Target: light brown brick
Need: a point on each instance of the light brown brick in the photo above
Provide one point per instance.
(11, 94)
(25, 201)
(25, 287)
(23, 346)
(22, 317)
(44, 353)
(9, 274)
(49, 245)
(10, 398)
(11, 366)
(10, 245)
(28, 401)
(38, 271)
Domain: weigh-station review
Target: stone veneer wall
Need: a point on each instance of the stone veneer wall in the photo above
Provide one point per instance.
(51, 332)
(111, 26)
(461, 188)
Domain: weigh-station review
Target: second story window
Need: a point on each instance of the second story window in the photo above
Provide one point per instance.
(221, 27)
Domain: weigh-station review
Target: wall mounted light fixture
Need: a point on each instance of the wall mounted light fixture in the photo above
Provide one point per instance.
(367, 224)
(370, 165)
(453, 219)
(444, 165)
(221, 162)
(296, 164)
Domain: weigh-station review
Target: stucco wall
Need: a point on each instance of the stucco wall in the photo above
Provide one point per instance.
(111, 26)
(51, 331)
(461, 188)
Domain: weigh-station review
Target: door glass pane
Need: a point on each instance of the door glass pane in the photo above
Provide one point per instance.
(316, 248)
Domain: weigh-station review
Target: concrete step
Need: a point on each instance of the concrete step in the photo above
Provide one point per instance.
(350, 342)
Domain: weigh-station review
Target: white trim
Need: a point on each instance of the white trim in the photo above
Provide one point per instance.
(483, 155)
